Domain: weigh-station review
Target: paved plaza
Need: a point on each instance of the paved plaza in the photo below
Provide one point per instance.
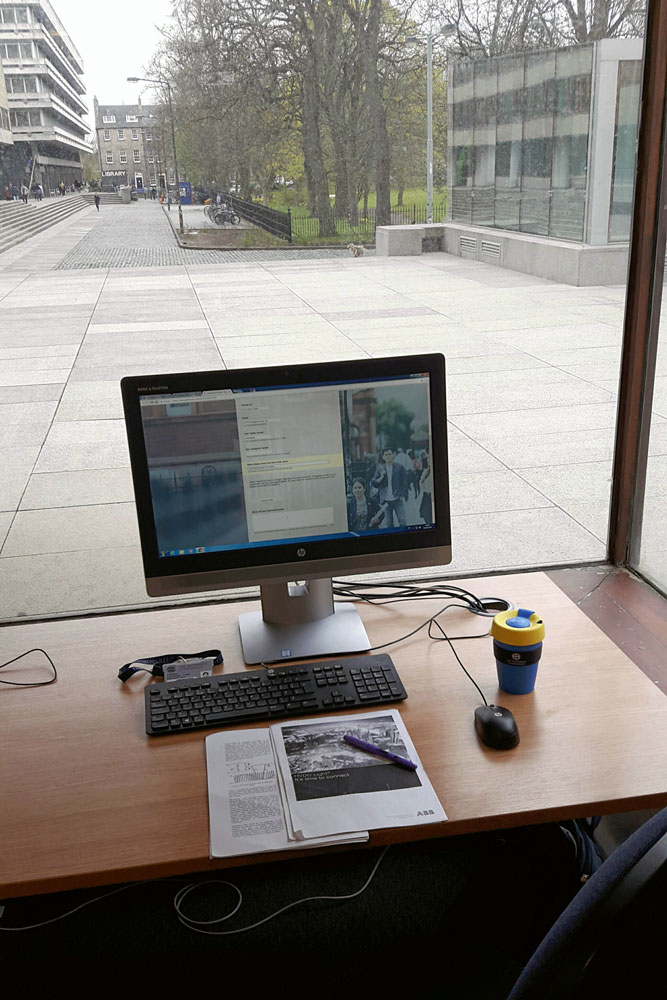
(532, 379)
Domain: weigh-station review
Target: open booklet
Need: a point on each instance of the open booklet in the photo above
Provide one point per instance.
(332, 788)
(244, 799)
(299, 784)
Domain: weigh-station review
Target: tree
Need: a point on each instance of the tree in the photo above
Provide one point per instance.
(394, 422)
(489, 28)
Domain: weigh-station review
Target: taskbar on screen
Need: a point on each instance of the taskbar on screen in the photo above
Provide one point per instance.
(306, 540)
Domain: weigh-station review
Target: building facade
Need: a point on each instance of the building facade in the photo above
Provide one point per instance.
(42, 74)
(131, 146)
(544, 142)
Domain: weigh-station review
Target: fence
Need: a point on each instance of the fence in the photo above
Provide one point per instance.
(274, 222)
(336, 229)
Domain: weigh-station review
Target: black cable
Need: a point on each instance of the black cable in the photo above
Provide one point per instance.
(400, 591)
(32, 684)
(451, 646)
(409, 592)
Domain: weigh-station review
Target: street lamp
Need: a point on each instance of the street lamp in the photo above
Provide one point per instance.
(447, 29)
(165, 83)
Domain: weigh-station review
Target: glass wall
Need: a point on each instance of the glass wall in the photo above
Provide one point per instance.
(526, 129)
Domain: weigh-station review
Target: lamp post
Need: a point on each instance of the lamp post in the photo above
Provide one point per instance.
(165, 83)
(447, 29)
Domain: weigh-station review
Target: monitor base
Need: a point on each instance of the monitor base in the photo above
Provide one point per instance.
(336, 634)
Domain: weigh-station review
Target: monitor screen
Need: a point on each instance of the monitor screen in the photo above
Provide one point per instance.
(275, 474)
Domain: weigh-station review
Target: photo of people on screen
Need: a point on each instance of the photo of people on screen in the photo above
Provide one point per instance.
(363, 512)
(386, 441)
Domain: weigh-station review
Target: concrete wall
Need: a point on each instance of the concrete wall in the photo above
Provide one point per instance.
(557, 260)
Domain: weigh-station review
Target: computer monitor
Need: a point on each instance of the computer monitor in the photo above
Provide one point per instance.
(273, 476)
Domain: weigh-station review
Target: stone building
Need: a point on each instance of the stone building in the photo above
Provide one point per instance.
(131, 146)
(44, 96)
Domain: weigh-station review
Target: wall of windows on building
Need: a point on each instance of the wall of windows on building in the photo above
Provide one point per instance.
(544, 142)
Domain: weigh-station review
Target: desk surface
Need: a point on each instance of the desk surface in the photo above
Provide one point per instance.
(89, 799)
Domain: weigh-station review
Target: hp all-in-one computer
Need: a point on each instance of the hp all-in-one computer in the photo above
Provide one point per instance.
(274, 475)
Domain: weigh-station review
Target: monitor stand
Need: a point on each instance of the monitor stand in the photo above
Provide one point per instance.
(298, 621)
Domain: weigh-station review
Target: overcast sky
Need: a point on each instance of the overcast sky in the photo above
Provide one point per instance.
(115, 42)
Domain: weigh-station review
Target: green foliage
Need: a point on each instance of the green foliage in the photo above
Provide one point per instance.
(394, 420)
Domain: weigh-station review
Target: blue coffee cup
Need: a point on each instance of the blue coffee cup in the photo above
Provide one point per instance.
(517, 647)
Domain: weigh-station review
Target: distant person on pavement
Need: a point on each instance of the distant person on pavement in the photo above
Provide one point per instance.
(97, 202)
(24, 194)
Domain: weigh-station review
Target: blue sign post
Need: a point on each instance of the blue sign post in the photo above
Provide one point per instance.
(185, 192)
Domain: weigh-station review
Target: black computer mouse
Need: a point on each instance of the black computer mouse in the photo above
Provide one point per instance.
(496, 727)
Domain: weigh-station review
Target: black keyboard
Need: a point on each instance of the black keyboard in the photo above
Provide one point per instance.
(271, 693)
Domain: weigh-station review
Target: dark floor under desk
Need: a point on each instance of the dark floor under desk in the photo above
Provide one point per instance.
(421, 913)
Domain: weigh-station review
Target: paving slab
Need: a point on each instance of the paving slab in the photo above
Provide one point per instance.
(529, 361)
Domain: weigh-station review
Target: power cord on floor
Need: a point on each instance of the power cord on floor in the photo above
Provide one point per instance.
(199, 926)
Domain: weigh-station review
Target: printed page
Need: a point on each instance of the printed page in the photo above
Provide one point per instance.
(331, 787)
(245, 808)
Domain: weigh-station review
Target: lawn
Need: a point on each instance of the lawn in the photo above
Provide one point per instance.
(280, 200)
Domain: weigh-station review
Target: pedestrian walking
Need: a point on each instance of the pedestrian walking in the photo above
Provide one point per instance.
(97, 202)
(24, 194)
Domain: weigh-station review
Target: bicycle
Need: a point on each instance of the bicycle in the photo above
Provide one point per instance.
(221, 214)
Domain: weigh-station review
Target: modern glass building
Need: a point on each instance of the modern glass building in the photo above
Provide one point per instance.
(544, 142)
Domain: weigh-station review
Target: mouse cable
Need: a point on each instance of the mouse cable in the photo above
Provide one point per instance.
(30, 684)
(430, 624)
(190, 922)
(427, 624)
(442, 638)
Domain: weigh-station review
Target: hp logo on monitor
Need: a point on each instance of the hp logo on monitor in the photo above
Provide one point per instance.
(301, 553)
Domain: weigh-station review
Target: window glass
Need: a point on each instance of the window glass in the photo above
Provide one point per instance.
(625, 139)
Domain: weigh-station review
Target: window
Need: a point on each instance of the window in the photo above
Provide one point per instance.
(13, 15)
(121, 133)
(25, 119)
(107, 135)
(109, 118)
(123, 157)
(135, 133)
(131, 118)
(109, 157)
(149, 137)
(137, 155)
(21, 84)
(151, 158)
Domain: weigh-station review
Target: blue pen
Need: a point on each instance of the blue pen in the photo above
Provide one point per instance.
(379, 752)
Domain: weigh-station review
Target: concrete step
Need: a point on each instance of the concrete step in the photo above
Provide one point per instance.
(106, 197)
(17, 226)
(18, 222)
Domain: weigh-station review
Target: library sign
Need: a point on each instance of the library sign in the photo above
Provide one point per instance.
(114, 177)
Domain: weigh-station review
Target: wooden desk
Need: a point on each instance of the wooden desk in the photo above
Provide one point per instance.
(88, 798)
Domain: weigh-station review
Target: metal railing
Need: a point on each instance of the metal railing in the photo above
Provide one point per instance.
(332, 228)
(269, 219)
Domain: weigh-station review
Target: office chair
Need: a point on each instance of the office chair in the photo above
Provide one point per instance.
(611, 935)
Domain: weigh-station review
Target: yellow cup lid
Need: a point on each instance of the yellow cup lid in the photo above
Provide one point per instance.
(518, 628)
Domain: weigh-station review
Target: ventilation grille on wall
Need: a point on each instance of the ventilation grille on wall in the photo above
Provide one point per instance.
(491, 249)
(467, 245)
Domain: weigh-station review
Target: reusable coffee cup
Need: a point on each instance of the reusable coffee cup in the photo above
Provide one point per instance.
(517, 647)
